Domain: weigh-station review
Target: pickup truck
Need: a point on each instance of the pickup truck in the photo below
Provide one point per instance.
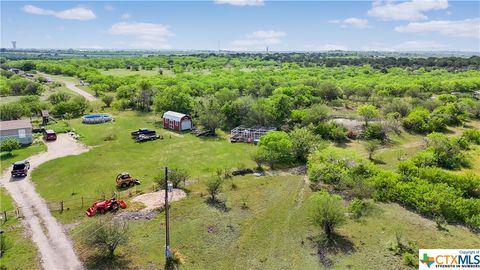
(20, 168)
(143, 131)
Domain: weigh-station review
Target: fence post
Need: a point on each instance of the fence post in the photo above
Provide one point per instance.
(5, 215)
(61, 207)
(82, 201)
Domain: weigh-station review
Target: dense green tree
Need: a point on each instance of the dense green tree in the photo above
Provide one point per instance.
(11, 111)
(275, 148)
(173, 99)
(304, 142)
(209, 113)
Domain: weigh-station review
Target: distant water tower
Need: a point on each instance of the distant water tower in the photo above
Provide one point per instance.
(14, 45)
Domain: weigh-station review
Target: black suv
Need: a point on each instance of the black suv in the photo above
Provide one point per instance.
(20, 168)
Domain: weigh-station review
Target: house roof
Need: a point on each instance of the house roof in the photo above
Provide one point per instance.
(176, 116)
(15, 124)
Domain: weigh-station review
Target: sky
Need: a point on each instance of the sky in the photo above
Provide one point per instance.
(244, 25)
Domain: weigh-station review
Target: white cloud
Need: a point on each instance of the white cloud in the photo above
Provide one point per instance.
(411, 10)
(353, 22)
(146, 35)
(126, 16)
(266, 34)
(241, 3)
(109, 7)
(78, 13)
(463, 28)
(258, 40)
(326, 47)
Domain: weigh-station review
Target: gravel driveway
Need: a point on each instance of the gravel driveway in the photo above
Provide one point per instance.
(55, 249)
(73, 87)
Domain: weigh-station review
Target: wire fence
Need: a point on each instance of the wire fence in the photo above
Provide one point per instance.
(63, 205)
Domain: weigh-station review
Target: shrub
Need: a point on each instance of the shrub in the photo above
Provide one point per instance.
(214, 186)
(175, 175)
(472, 136)
(375, 132)
(332, 131)
(110, 137)
(327, 211)
(108, 235)
(372, 146)
(359, 208)
(9, 145)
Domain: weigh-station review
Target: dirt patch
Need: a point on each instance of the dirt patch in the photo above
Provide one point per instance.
(154, 200)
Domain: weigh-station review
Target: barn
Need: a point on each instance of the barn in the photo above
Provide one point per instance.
(20, 130)
(177, 121)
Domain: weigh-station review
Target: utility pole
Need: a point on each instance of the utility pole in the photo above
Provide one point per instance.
(167, 227)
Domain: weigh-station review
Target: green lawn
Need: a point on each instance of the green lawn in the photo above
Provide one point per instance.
(58, 179)
(20, 154)
(21, 253)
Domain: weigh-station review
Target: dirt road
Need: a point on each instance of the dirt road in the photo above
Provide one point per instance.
(55, 249)
(73, 87)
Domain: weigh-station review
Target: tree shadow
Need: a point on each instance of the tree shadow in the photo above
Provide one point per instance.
(6, 155)
(217, 204)
(331, 246)
(378, 161)
(105, 262)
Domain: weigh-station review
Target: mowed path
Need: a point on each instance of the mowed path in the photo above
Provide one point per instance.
(73, 87)
(55, 249)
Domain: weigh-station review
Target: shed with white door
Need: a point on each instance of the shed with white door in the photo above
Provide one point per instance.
(20, 130)
(177, 121)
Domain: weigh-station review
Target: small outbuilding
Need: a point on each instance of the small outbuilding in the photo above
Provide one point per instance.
(177, 121)
(20, 130)
(45, 116)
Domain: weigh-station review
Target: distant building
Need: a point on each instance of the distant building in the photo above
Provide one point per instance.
(177, 121)
(20, 130)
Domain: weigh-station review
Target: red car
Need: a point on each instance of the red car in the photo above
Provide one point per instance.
(49, 135)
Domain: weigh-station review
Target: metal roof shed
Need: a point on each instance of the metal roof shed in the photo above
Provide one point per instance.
(177, 121)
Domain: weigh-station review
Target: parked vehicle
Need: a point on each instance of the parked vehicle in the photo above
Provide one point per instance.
(125, 180)
(144, 137)
(102, 207)
(38, 130)
(20, 168)
(143, 131)
(49, 135)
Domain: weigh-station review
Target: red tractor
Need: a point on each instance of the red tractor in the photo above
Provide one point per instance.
(102, 207)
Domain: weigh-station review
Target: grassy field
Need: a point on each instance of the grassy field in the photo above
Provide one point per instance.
(274, 232)
(266, 235)
(128, 72)
(60, 179)
(21, 252)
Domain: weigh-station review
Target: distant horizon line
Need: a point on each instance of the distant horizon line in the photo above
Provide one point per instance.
(230, 51)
